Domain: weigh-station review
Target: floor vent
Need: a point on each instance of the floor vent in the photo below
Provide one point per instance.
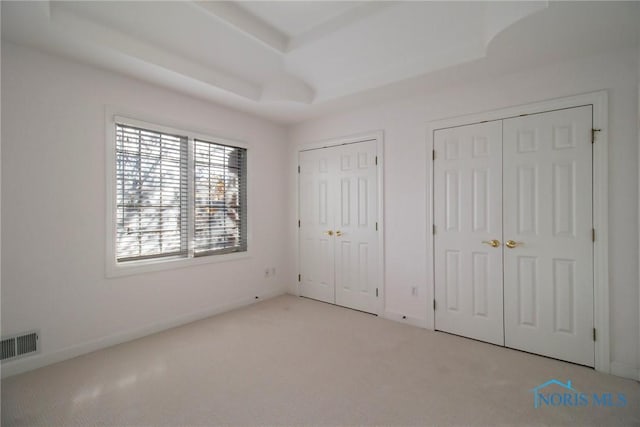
(19, 346)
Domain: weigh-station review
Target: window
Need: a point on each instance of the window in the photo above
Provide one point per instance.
(177, 196)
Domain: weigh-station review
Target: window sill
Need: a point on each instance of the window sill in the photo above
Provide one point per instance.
(115, 269)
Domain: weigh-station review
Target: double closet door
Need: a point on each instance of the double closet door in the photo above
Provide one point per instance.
(513, 242)
(338, 201)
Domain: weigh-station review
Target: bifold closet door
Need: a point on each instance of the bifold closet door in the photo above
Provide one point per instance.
(467, 242)
(548, 253)
(338, 233)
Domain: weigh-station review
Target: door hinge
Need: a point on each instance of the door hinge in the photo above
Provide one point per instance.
(593, 234)
(376, 160)
(593, 135)
(376, 292)
(376, 226)
(298, 223)
(434, 305)
(594, 334)
(299, 277)
(433, 154)
(298, 168)
(434, 229)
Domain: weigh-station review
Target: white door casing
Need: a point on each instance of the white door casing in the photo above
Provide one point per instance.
(338, 203)
(468, 220)
(548, 276)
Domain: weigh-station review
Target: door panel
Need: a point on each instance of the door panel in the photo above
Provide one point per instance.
(356, 236)
(316, 220)
(339, 195)
(548, 276)
(468, 212)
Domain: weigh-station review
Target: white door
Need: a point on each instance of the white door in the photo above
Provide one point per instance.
(338, 225)
(356, 237)
(548, 253)
(467, 242)
(317, 188)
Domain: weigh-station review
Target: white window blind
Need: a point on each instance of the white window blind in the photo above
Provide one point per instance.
(152, 197)
(177, 196)
(220, 198)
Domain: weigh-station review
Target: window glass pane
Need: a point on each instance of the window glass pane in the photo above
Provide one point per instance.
(220, 198)
(152, 191)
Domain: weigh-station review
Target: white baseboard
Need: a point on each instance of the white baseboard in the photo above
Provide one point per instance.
(625, 370)
(14, 367)
(421, 323)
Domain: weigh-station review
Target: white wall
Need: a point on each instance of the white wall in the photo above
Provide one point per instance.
(53, 210)
(638, 126)
(406, 176)
(0, 184)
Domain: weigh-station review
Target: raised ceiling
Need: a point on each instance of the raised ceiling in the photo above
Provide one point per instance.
(294, 18)
(289, 61)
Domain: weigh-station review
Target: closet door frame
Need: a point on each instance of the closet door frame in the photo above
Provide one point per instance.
(599, 102)
(378, 136)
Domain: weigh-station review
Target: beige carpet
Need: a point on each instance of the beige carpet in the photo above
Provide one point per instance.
(293, 361)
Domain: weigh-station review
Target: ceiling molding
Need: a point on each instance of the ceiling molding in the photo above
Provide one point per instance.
(252, 26)
(498, 16)
(287, 88)
(335, 24)
(101, 37)
(235, 16)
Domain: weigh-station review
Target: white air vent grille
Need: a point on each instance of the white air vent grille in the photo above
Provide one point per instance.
(19, 345)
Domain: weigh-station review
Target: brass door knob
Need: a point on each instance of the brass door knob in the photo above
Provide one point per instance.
(512, 244)
(493, 243)
(330, 232)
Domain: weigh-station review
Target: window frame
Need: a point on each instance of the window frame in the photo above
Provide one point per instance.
(113, 268)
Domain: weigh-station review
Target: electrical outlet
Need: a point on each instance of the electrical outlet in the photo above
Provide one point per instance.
(414, 291)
